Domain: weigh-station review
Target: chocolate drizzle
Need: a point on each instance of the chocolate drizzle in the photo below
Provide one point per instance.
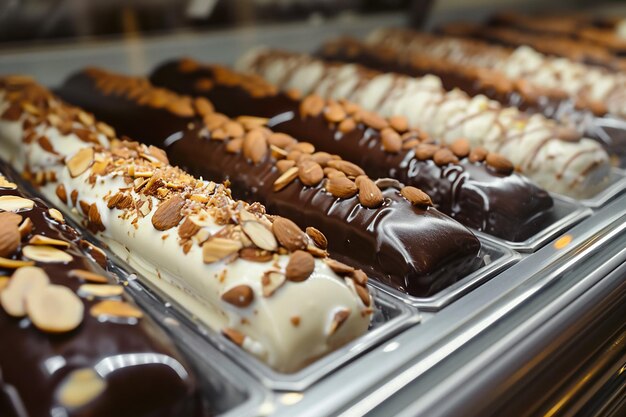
(412, 248)
(143, 373)
(468, 191)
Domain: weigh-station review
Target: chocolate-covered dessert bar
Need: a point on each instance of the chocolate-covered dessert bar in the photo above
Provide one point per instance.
(73, 343)
(596, 88)
(465, 187)
(391, 232)
(540, 148)
(260, 280)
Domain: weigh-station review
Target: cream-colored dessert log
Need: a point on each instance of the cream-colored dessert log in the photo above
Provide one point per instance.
(552, 155)
(227, 262)
(593, 87)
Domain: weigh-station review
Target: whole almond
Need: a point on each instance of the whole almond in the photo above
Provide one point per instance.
(370, 195)
(333, 173)
(347, 125)
(300, 266)
(318, 237)
(304, 147)
(240, 296)
(416, 196)
(310, 173)
(168, 214)
(460, 147)
(10, 235)
(373, 120)
(289, 234)
(498, 162)
(445, 156)
(363, 294)
(61, 193)
(322, 158)
(284, 165)
(255, 146)
(359, 277)
(203, 106)
(425, 151)
(391, 140)
(341, 187)
(478, 154)
(348, 168)
(311, 105)
(334, 113)
(281, 140)
(339, 267)
(399, 123)
(286, 178)
(255, 255)
(251, 122)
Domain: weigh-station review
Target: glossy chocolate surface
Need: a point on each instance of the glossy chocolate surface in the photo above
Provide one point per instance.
(144, 375)
(419, 251)
(509, 207)
(609, 131)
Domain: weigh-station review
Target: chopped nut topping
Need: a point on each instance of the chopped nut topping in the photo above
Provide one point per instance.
(339, 318)
(80, 162)
(88, 276)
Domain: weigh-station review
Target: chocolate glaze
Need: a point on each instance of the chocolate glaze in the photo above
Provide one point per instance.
(509, 207)
(29, 377)
(606, 129)
(418, 251)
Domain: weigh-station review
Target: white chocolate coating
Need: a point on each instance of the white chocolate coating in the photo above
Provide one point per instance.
(575, 168)
(266, 323)
(583, 83)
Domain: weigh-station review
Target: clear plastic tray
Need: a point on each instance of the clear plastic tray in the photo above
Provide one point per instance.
(497, 258)
(616, 185)
(567, 213)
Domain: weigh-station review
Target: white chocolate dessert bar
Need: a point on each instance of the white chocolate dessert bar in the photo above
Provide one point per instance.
(589, 86)
(223, 260)
(550, 154)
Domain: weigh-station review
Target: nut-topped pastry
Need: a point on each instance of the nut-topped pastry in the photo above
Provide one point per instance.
(555, 157)
(391, 232)
(383, 147)
(72, 340)
(187, 236)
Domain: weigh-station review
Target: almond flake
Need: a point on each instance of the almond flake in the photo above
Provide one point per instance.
(54, 308)
(260, 235)
(23, 280)
(45, 240)
(4, 282)
(217, 248)
(15, 203)
(271, 281)
(56, 215)
(6, 184)
(14, 264)
(115, 308)
(286, 178)
(100, 290)
(46, 254)
(80, 162)
(10, 235)
(81, 387)
(88, 276)
(235, 336)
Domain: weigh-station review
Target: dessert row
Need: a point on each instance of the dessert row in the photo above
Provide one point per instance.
(261, 201)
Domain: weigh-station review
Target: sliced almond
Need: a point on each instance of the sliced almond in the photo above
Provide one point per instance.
(6, 184)
(286, 178)
(26, 227)
(416, 196)
(239, 296)
(252, 122)
(15, 203)
(300, 266)
(100, 290)
(10, 235)
(255, 255)
(289, 234)
(54, 308)
(14, 264)
(88, 276)
(341, 187)
(56, 215)
(217, 248)
(234, 335)
(115, 308)
(272, 281)
(281, 140)
(23, 281)
(339, 318)
(81, 387)
(260, 235)
(46, 254)
(169, 213)
(80, 162)
(318, 237)
(188, 229)
(45, 240)
(4, 282)
(363, 294)
(284, 165)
